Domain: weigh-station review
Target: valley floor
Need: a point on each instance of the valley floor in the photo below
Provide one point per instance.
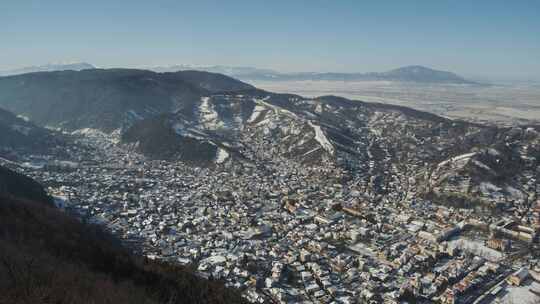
(507, 104)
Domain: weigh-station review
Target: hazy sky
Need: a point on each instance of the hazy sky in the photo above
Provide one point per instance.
(499, 38)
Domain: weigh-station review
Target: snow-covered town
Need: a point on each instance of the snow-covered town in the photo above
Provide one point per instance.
(287, 233)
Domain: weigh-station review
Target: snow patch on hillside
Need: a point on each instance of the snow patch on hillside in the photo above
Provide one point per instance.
(256, 113)
(312, 151)
(25, 118)
(113, 137)
(489, 187)
(483, 166)
(89, 132)
(263, 122)
(319, 108)
(222, 156)
(208, 115)
(181, 130)
(276, 109)
(458, 160)
(322, 139)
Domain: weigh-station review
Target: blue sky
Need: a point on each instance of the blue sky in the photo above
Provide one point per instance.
(484, 38)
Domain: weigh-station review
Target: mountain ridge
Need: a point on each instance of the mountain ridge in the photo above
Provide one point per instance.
(411, 73)
(77, 66)
(106, 98)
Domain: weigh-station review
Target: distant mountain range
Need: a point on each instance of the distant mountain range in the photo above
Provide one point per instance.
(49, 68)
(413, 73)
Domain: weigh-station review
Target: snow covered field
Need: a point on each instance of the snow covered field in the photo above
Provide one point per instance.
(496, 103)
